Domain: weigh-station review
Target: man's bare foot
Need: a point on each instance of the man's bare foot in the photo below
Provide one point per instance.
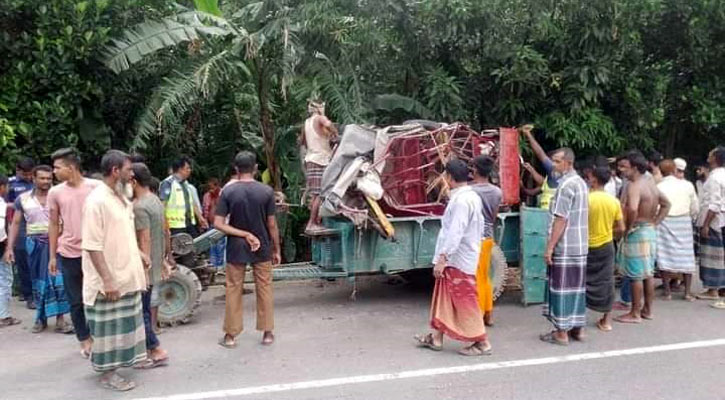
(689, 297)
(267, 338)
(578, 334)
(158, 354)
(628, 318)
(667, 297)
(646, 314)
(86, 347)
(604, 325)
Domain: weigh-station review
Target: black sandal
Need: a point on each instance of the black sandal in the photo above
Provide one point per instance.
(550, 338)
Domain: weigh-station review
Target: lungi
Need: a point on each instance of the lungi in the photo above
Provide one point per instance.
(638, 253)
(218, 254)
(48, 291)
(712, 260)
(565, 305)
(600, 278)
(483, 278)
(117, 329)
(313, 173)
(454, 308)
(675, 246)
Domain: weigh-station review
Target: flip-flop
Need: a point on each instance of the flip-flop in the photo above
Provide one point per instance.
(65, 328)
(85, 353)
(267, 341)
(705, 296)
(603, 328)
(689, 298)
(579, 338)
(627, 321)
(718, 305)
(151, 363)
(550, 338)
(426, 341)
(9, 321)
(226, 345)
(118, 383)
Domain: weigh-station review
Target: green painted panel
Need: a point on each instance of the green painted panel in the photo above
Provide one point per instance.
(534, 227)
(534, 291)
(507, 235)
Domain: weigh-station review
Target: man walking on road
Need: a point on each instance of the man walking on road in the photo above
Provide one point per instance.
(65, 204)
(639, 248)
(178, 198)
(455, 309)
(113, 274)
(605, 222)
(490, 195)
(566, 252)
(253, 238)
(153, 242)
(20, 183)
(48, 289)
(675, 247)
(711, 223)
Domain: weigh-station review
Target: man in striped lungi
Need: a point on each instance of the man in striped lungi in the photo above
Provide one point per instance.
(711, 223)
(113, 274)
(675, 247)
(566, 252)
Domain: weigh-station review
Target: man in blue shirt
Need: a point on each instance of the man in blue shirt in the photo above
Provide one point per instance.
(17, 185)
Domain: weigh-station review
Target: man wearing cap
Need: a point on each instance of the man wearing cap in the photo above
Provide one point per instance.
(680, 167)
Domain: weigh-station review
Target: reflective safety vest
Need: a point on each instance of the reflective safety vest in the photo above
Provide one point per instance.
(547, 193)
(176, 206)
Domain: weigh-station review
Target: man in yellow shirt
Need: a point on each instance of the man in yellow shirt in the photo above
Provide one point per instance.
(605, 221)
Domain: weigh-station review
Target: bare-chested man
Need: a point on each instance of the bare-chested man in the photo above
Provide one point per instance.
(644, 207)
(316, 136)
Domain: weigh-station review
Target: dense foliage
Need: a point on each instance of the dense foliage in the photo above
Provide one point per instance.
(206, 78)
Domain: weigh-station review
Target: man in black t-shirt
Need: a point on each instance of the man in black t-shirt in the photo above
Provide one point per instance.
(245, 213)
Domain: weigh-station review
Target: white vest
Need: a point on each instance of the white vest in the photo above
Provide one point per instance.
(318, 146)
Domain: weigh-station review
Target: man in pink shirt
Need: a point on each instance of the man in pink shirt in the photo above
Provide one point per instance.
(65, 203)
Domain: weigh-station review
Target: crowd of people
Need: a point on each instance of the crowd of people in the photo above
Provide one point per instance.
(629, 216)
(98, 249)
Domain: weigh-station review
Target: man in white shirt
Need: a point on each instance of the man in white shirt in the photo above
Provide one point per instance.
(454, 310)
(711, 222)
(675, 248)
(6, 270)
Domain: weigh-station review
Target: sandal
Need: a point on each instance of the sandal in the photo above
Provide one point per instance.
(268, 340)
(85, 353)
(602, 327)
(580, 337)
(227, 345)
(720, 305)
(64, 328)
(39, 327)
(475, 350)
(707, 296)
(117, 383)
(9, 321)
(550, 338)
(426, 341)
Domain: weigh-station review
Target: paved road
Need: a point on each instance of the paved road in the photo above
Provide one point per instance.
(367, 344)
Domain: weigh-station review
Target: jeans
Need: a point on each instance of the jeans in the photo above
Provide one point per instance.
(6, 287)
(152, 341)
(625, 292)
(24, 274)
(73, 282)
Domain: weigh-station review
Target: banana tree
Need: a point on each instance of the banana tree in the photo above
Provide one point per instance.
(257, 44)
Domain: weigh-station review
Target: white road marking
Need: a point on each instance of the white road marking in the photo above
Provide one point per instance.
(286, 387)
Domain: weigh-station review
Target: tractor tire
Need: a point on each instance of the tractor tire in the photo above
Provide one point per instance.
(497, 271)
(180, 296)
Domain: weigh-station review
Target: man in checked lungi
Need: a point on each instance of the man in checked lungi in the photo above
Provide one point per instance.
(711, 223)
(639, 246)
(605, 224)
(113, 274)
(454, 308)
(316, 136)
(566, 253)
(675, 247)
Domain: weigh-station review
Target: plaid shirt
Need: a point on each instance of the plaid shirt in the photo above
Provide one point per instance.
(571, 202)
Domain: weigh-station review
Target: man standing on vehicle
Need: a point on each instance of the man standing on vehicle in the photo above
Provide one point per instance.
(566, 252)
(316, 136)
(65, 204)
(17, 185)
(178, 198)
(246, 214)
(455, 310)
(490, 195)
(549, 185)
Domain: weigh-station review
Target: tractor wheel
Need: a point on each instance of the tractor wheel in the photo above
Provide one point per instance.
(497, 271)
(180, 296)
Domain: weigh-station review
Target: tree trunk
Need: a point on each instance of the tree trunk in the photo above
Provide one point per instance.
(265, 121)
